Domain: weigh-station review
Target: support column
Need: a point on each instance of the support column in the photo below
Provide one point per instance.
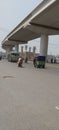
(8, 51)
(43, 48)
(43, 45)
(17, 47)
(26, 56)
(22, 51)
(34, 50)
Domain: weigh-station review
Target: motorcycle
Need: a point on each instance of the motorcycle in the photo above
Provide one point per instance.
(20, 61)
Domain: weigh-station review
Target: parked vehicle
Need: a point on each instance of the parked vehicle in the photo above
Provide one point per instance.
(13, 56)
(39, 62)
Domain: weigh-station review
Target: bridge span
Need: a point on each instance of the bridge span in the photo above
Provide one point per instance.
(41, 22)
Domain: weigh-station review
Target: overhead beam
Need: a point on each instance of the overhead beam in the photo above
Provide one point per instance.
(44, 26)
(14, 40)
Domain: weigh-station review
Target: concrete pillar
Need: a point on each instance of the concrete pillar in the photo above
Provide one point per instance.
(34, 50)
(43, 45)
(22, 51)
(29, 53)
(8, 51)
(26, 54)
(17, 47)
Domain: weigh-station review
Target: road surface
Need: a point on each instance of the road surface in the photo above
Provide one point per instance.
(29, 97)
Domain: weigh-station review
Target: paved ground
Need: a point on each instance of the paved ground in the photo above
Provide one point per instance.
(29, 97)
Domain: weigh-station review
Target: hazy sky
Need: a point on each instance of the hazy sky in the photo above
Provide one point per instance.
(12, 12)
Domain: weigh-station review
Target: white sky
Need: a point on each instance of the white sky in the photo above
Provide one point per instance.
(12, 12)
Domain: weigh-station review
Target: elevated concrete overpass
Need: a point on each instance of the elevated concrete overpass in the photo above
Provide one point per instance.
(41, 22)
